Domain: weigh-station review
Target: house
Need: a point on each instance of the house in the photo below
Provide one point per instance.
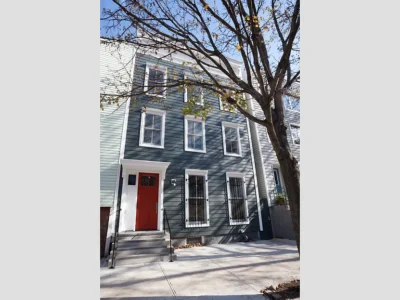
(194, 178)
(270, 181)
(111, 132)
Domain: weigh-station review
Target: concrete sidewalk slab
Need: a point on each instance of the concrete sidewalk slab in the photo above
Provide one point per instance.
(223, 271)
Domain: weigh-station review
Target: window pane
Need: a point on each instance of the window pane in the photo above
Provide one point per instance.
(157, 121)
(233, 147)
(198, 128)
(145, 180)
(191, 125)
(191, 141)
(237, 199)
(152, 180)
(156, 137)
(230, 133)
(147, 136)
(148, 121)
(196, 199)
(156, 81)
(198, 142)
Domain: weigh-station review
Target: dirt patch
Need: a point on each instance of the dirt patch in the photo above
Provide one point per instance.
(285, 290)
(189, 246)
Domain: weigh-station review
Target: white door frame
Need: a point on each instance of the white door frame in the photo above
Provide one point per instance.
(129, 196)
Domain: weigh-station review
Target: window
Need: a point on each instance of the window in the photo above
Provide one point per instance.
(195, 137)
(196, 198)
(237, 198)
(152, 128)
(148, 181)
(195, 93)
(224, 105)
(277, 179)
(291, 103)
(231, 139)
(155, 80)
(295, 132)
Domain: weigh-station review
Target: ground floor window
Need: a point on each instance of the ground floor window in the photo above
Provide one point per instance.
(196, 198)
(237, 198)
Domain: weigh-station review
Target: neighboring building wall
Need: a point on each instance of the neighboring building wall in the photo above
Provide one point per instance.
(213, 160)
(266, 160)
(104, 216)
(111, 119)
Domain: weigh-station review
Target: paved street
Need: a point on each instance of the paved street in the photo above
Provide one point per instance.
(221, 272)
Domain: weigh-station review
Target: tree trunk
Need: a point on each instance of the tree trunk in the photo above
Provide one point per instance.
(288, 163)
(291, 177)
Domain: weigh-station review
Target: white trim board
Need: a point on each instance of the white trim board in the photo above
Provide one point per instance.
(152, 111)
(243, 177)
(237, 127)
(192, 118)
(129, 193)
(146, 79)
(196, 172)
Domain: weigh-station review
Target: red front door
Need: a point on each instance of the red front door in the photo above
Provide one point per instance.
(147, 202)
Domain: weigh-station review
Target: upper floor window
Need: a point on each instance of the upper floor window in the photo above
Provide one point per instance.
(194, 93)
(231, 139)
(224, 105)
(295, 132)
(195, 135)
(291, 103)
(155, 80)
(237, 198)
(152, 128)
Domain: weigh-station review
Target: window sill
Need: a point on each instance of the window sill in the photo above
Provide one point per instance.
(195, 226)
(233, 154)
(151, 146)
(155, 95)
(239, 223)
(193, 150)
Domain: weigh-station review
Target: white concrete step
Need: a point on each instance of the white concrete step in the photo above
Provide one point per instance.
(142, 238)
(141, 233)
(158, 250)
(143, 258)
(142, 244)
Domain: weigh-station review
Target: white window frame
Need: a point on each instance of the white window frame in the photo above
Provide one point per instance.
(196, 173)
(152, 111)
(291, 134)
(192, 118)
(237, 127)
(243, 176)
(186, 93)
(146, 79)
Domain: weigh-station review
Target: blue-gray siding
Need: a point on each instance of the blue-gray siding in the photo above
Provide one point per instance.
(214, 160)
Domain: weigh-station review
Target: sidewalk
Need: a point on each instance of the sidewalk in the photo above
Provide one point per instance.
(221, 272)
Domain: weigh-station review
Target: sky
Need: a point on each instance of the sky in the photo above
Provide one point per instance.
(110, 4)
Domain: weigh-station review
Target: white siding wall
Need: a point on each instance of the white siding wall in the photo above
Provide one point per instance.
(112, 62)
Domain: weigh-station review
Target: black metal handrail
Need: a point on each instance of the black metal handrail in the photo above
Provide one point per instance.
(170, 235)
